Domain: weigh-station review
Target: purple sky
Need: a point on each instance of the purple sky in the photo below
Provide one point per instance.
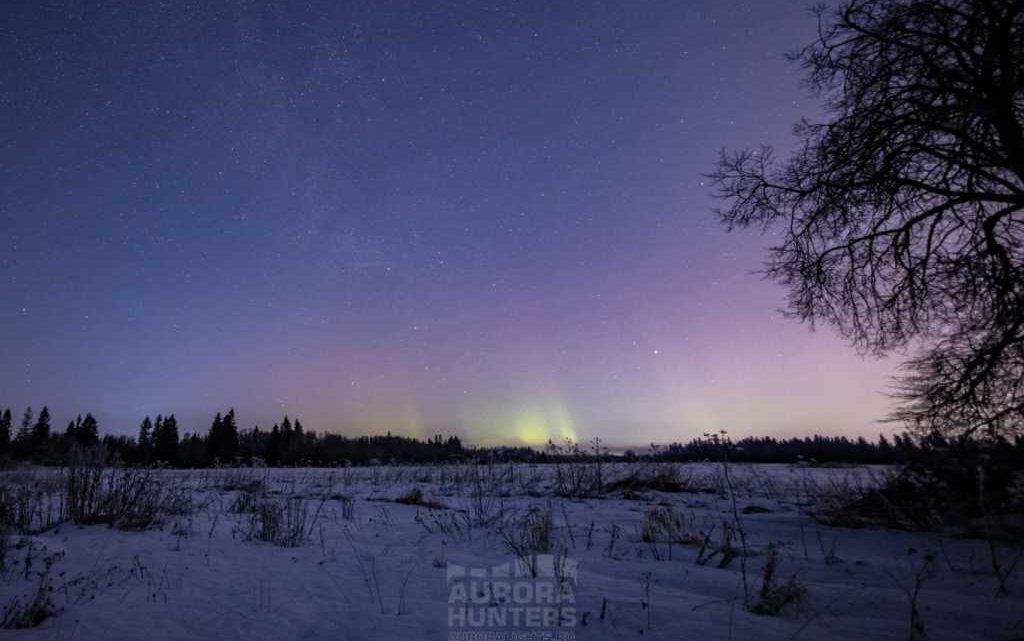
(486, 220)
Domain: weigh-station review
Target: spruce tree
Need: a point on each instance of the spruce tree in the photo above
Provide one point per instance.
(287, 441)
(298, 442)
(214, 438)
(26, 423)
(5, 432)
(165, 442)
(145, 439)
(88, 433)
(273, 453)
(171, 436)
(41, 429)
(22, 446)
(229, 437)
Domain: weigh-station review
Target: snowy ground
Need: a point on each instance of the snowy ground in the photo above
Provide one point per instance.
(368, 567)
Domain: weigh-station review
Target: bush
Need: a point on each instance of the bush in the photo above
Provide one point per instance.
(662, 524)
(241, 480)
(968, 489)
(29, 510)
(83, 479)
(657, 478)
(774, 598)
(533, 533)
(135, 500)
(283, 523)
(415, 497)
(247, 501)
(126, 498)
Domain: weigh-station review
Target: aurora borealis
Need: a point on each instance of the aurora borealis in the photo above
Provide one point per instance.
(486, 220)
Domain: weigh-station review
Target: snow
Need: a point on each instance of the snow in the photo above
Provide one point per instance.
(383, 574)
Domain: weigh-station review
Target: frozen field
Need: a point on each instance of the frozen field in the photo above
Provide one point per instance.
(409, 553)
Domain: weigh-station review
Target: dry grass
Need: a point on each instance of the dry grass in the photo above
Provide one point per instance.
(415, 497)
(775, 597)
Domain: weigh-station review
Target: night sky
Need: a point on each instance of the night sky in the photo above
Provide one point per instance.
(485, 220)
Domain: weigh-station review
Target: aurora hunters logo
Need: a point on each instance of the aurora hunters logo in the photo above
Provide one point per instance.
(529, 599)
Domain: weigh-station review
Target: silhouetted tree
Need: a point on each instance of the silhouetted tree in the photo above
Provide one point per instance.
(273, 452)
(21, 446)
(41, 429)
(145, 443)
(222, 440)
(213, 437)
(88, 432)
(287, 449)
(5, 432)
(229, 437)
(165, 440)
(193, 451)
(121, 448)
(251, 444)
(900, 216)
(24, 431)
(69, 432)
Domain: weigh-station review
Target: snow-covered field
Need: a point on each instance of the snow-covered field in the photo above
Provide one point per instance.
(332, 554)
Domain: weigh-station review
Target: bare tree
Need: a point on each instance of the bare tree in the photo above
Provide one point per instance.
(900, 217)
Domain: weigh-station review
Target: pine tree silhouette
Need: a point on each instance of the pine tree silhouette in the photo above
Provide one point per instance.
(273, 452)
(5, 432)
(88, 433)
(229, 437)
(26, 423)
(41, 429)
(214, 437)
(165, 441)
(145, 440)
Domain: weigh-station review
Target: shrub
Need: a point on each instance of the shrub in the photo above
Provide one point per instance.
(246, 502)
(533, 533)
(135, 500)
(29, 510)
(83, 479)
(128, 499)
(285, 523)
(726, 551)
(415, 497)
(774, 598)
(966, 488)
(657, 478)
(662, 524)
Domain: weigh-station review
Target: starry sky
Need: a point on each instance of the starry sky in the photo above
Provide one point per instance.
(478, 219)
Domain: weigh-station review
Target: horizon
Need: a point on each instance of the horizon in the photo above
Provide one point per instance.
(493, 221)
(58, 427)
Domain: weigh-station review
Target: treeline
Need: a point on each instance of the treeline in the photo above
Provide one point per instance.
(289, 443)
(902, 448)
(35, 440)
(159, 442)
